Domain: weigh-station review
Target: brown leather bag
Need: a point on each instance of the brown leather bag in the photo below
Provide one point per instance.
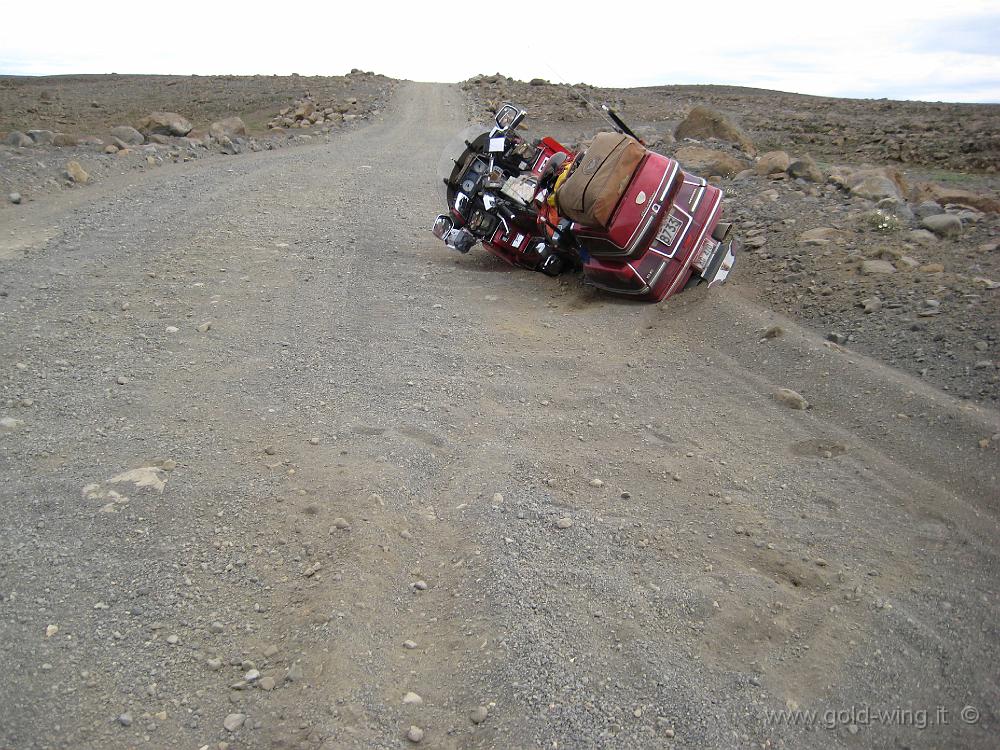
(599, 178)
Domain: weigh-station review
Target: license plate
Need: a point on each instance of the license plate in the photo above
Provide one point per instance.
(705, 254)
(668, 232)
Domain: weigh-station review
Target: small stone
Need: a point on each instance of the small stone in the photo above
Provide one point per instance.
(876, 267)
(412, 699)
(871, 305)
(169, 465)
(234, 722)
(51, 630)
(215, 664)
(125, 719)
(204, 328)
(121, 380)
(267, 683)
(14, 198)
(295, 673)
(564, 523)
(596, 483)
(269, 450)
(668, 732)
(498, 498)
(172, 329)
(9, 424)
(837, 338)
(791, 399)
(415, 734)
(931, 268)
(420, 585)
(773, 332)
(173, 640)
(314, 441)
(341, 523)
(676, 477)
(410, 644)
(252, 675)
(77, 173)
(478, 714)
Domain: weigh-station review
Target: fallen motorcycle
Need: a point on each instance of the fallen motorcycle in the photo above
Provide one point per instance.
(632, 220)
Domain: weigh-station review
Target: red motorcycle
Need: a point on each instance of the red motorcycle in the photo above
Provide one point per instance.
(632, 220)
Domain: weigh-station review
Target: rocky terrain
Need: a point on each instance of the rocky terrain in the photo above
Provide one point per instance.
(101, 124)
(280, 471)
(874, 221)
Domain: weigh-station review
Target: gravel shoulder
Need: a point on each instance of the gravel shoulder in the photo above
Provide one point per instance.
(373, 468)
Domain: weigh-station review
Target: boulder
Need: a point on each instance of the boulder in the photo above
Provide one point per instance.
(164, 123)
(928, 208)
(897, 207)
(77, 173)
(875, 188)
(19, 139)
(849, 179)
(42, 137)
(303, 110)
(944, 194)
(703, 122)
(806, 169)
(127, 135)
(538, 82)
(64, 140)
(709, 162)
(773, 162)
(943, 225)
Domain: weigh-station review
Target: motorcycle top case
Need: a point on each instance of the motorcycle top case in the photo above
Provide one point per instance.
(639, 213)
(598, 178)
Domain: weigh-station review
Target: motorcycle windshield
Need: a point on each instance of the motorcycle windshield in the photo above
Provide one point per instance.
(454, 155)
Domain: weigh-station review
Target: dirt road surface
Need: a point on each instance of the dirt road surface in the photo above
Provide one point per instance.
(273, 460)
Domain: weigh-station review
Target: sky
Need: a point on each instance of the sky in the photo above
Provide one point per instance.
(929, 51)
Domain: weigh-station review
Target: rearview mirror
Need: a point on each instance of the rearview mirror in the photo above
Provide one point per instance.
(509, 117)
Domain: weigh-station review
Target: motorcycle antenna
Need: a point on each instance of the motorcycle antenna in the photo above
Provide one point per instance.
(609, 114)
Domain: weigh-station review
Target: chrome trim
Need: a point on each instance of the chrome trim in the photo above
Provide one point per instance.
(704, 230)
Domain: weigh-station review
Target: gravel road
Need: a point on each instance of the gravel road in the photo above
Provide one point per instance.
(278, 471)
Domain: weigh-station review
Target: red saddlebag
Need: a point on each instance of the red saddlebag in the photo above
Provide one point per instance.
(599, 178)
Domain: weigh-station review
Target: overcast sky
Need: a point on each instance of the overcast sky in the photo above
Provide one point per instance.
(934, 51)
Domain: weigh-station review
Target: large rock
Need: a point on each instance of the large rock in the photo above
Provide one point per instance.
(944, 194)
(19, 139)
(849, 179)
(127, 135)
(875, 188)
(303, 110)
(703, 122)
(42, 137)
(64, 140)
(773, 162)
(806, 169)
(709, 162)
(943, 225)
(164, 123)
(231, 127)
